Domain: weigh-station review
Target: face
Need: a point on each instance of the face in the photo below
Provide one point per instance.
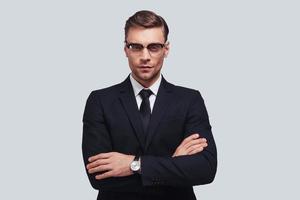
(146, 63)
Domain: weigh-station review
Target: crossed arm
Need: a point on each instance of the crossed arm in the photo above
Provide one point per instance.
(114, 164)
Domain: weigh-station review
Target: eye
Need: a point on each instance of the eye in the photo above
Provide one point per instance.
(135, 47)
(155, 47)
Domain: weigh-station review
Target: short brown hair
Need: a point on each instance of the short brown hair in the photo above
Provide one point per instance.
(146, 19)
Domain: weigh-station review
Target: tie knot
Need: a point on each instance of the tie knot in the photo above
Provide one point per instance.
(145, 93)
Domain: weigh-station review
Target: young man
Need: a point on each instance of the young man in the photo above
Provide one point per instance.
(146, 138)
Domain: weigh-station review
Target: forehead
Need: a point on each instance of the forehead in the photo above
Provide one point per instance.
(145, 35)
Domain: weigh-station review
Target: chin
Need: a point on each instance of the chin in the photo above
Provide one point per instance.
(147, 77)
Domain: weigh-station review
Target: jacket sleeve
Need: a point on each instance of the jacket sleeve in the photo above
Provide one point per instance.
(96, 139)
(186, 170)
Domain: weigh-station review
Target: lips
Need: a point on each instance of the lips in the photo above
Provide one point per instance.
(145, 69)
(146, 66)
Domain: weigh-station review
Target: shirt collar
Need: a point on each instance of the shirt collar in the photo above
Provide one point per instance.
(137, 87)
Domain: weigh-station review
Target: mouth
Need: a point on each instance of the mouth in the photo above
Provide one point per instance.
(145, 66)
(145, 69)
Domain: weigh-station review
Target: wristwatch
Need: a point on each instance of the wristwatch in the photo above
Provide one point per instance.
(135, 165)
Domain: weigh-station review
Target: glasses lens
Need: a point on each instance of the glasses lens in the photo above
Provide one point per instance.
(135, 47)
(155, 47)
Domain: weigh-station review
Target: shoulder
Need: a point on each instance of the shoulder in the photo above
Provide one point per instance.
(106, 91)
(105, 94)
(184, 95)
(184, 92)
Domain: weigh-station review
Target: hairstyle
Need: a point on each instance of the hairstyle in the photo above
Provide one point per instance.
(146, 19)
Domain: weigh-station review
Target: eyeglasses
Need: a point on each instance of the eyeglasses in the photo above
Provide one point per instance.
(154, 49)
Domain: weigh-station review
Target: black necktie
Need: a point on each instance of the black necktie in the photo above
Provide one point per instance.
(145, 109)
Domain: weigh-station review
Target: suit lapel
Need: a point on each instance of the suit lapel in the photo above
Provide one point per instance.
(128, 101)
(162, 101)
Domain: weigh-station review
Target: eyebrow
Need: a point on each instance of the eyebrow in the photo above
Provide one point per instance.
(146, 43)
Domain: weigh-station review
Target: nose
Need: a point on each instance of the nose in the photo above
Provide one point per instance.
(145, 55)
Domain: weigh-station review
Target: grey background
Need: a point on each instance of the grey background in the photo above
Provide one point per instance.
(243, 56)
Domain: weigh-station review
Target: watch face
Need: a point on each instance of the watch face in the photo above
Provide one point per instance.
(135, 166)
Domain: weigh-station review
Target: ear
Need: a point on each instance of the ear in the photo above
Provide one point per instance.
(167, 49)
(126, 51)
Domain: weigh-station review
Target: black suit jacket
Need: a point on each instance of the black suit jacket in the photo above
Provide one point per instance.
(111, 122)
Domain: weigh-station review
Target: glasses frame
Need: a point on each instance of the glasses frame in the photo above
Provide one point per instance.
(128, 44)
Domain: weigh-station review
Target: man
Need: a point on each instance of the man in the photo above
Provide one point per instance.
(146, 138)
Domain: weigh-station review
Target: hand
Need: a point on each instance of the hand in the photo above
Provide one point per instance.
(112, 164)
(190, 145)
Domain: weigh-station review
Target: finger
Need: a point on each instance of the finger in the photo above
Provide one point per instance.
(100, 168)
(194, 142)
(191, 143)
(195, 151)
(187, 139)
(197, 146)
(182, 150)
(190, 138)
(104, 175)
(97, 163)
(203, 140)
(99, 156)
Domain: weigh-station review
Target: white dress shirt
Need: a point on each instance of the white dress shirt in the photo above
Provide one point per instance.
(137, 87)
